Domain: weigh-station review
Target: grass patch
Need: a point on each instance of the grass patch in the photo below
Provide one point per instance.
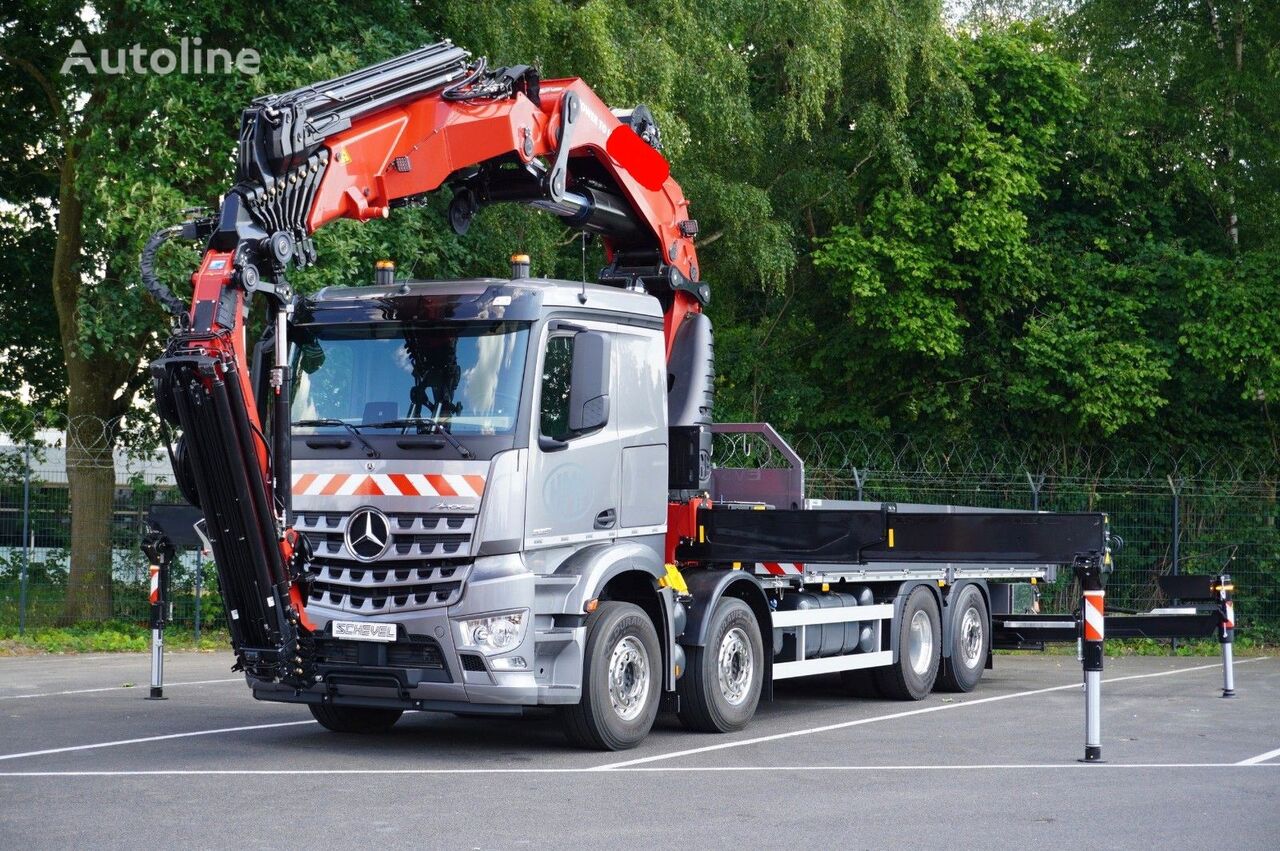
(108, 637)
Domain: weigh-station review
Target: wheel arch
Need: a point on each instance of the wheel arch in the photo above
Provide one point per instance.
(626, 572)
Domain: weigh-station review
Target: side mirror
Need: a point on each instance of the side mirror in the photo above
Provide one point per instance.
(589, 382)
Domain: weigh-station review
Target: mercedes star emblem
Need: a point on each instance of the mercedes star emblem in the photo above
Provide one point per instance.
(368, 534)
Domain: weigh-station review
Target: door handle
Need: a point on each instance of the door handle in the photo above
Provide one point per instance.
(605, 519)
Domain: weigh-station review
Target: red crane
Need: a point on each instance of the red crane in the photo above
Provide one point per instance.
(357, 147)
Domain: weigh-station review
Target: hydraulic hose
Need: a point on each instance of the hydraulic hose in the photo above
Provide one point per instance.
(147, 264)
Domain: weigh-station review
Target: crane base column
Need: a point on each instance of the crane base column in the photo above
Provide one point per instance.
(1092, 650)
(157, 665)
(159, 551)
(1222, 587)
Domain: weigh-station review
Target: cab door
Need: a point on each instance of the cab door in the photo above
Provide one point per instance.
(574, 475)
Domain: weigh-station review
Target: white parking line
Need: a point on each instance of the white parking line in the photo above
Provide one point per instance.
(116, 688)
(668, 769)
(1260, 758)
(648, 759)
(895, 715)
(152, 739)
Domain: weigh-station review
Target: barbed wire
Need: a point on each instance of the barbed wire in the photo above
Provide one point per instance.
(909, 459)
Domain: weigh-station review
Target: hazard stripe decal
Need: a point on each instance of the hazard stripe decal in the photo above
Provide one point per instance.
(779, 568)
(1094, 618)
(388, 484)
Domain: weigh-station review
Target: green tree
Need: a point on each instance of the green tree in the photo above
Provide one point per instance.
(1199, 79)
(103, 159)
(1190, 87)
(770, 112)
(1043, 269)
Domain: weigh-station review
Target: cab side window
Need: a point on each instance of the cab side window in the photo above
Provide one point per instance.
(557, 371)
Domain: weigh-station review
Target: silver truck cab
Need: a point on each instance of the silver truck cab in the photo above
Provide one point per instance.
(474, 463)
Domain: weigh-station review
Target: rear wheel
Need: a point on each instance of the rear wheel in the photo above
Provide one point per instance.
(912, 676)
(721, 685)
(355, 719)
(621, 680)
(970, 643)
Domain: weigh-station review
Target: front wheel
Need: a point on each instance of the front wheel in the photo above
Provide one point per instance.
(720, 689)
(621, 680)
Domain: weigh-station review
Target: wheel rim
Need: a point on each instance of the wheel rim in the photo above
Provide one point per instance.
(628, 678)
(736, 667)
(920, 643)
(971, 637)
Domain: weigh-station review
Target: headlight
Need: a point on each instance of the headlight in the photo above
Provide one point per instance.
(492, 634)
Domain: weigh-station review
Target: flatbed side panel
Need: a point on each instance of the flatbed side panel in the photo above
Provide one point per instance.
(991, 537)
(823, 536)
(789, 535)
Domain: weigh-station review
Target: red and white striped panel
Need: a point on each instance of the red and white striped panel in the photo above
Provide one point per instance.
(1094, 615)
(387, 484)
(155, 584)
(779, 568)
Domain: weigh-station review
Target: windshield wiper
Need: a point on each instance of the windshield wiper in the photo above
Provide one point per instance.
(433, 426)
(355, 432)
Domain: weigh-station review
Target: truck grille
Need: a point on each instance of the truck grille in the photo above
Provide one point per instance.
(372, 589)
(425, 566)
(413, 536)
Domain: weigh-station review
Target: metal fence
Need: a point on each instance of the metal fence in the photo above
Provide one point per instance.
(1193, 512)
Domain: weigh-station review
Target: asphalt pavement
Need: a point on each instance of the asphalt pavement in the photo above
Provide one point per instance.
(86, 760)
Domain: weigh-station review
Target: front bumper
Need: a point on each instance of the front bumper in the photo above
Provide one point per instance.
(426, 670)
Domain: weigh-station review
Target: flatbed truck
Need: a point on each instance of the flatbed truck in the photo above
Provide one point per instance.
(484, 495)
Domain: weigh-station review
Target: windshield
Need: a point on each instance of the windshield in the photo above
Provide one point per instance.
(398, 377)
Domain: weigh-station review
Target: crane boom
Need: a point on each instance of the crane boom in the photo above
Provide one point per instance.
(356, 147)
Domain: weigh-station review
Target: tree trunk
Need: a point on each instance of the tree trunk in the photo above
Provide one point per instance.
(1225, 165)
(91, 482)
(91, 410)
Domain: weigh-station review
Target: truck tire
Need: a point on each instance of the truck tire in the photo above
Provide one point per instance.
(621, 680)
(970, 642)
(355, 719)
(721, 685)
(911, 677)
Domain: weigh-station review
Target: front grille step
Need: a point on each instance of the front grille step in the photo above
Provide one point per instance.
(419, 652)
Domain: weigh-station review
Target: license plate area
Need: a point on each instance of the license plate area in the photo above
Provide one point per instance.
(384, 633)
